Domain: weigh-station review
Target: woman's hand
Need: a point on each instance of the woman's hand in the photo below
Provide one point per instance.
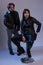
(23, 38)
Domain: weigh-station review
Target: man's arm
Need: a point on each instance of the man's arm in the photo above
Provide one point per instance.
(6, 21)
(18, 22)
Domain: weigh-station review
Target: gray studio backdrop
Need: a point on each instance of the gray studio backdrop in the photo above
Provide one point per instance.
(36, 9)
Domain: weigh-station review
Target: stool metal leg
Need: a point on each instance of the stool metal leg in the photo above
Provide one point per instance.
(26, 59)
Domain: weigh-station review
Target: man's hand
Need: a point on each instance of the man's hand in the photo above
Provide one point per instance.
(36, 33)
(19, 32)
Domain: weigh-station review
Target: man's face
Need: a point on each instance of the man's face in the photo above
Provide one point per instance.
(11, 8)
(26, 15)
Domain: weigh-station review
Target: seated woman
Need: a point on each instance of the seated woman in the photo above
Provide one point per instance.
(28, 31)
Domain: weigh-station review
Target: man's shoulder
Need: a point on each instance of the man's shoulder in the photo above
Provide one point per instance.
(7, 13)
(16, 12)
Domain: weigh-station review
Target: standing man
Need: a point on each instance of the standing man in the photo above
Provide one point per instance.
(12, 22)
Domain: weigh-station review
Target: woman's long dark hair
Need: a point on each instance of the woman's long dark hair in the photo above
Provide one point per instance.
(23, 18)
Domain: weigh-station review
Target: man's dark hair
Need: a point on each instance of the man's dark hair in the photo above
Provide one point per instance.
(9, 4)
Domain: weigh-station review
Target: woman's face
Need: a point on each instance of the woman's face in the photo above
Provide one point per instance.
(26, 15)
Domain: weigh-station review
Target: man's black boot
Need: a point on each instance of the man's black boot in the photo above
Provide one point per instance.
(20, 51)
(11, 52)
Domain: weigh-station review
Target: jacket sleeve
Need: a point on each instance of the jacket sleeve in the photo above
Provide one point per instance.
(6, 21)
(22, 28)
(18, 22)
(38, 23)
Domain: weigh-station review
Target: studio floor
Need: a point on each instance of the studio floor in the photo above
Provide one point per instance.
(7, 59)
